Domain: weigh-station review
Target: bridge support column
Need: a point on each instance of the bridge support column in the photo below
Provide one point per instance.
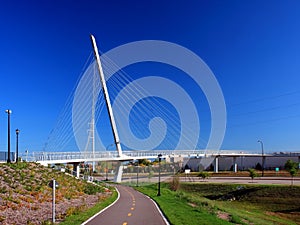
(217, 164)
(235, 168)
(76, 169)
(119, 173)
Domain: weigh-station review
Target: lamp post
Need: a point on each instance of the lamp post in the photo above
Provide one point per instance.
(159, 160)
(8, 135)
(26, 151)
(106, 171)
(17, 144)
(53, 184)
(137, 174)
(262, 158)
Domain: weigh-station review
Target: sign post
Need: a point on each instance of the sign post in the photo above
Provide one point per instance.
(53, 184)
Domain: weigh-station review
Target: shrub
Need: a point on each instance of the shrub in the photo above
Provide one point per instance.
(252, 173)
(91, 189)
(203, 175)
(292, 168)
(175, 183)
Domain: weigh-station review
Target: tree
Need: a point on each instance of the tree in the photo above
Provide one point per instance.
(258, 166)
(145, 162)
(203, 175)
(292, 168)
(175, 183)
(252, 174)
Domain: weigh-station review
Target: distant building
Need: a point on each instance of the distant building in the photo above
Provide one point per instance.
(226, 163)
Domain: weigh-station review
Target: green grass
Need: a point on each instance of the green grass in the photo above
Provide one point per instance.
(179, 208)
(199, 203)
(80, 217)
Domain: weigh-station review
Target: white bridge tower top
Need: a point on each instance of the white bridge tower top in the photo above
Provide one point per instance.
(107, 99)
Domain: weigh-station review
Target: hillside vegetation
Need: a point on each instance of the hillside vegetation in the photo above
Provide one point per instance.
(26, 198)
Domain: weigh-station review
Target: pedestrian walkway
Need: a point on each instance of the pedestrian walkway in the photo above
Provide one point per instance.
(132, 208)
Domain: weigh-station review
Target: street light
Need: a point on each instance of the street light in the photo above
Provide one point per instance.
(137, 174)
(17, 144)
(159, 160)
(26, 151)
(54, 185)
(262, 158)
(8, 135)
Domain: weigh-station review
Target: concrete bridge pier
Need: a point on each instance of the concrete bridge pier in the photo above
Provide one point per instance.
(76, 169)
(235, 166)
(217, 164)
(119, 172)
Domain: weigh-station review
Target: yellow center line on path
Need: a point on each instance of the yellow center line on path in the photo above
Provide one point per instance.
(129, 214)
(125, 223)
(132, 208)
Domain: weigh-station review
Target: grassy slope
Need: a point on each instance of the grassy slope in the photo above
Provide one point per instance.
(24, 186)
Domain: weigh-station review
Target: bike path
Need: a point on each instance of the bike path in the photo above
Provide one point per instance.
(132, 208)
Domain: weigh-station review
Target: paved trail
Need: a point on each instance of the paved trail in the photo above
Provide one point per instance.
(132, 208)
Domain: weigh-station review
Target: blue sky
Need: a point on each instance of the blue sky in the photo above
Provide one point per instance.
(252, 47)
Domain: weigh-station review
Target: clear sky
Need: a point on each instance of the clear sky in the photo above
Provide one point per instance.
(253, 48)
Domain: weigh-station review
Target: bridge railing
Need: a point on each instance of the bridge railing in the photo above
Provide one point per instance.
(52, 156)
(127, 155)
(68, 156)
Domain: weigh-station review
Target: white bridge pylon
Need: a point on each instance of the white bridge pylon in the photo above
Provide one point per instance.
(107, 98)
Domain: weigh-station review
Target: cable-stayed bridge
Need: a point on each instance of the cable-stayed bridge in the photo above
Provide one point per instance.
(138, 118)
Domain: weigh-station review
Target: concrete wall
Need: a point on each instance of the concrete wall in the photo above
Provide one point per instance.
(243, 163)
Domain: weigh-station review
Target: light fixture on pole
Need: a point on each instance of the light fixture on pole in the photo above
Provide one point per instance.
(17, 145)
(8, 135)
(159, 161)
(262, 158)
(54, 185)
(26, 151)
(137, 174)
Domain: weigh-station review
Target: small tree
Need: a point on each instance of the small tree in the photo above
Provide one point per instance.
(175, 183)
(252, 174)
(203, 175)
(292, 168)
(150, 175)
(258, 166)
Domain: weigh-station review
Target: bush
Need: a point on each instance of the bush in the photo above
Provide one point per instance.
(91, 189)
(175, 183)
(252, 173)
(292, 168)
(203, 175)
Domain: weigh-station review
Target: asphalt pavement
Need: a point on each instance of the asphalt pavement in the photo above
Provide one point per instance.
(131, 208)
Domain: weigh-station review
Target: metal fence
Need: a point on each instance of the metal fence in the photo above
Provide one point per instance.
(4, 156)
